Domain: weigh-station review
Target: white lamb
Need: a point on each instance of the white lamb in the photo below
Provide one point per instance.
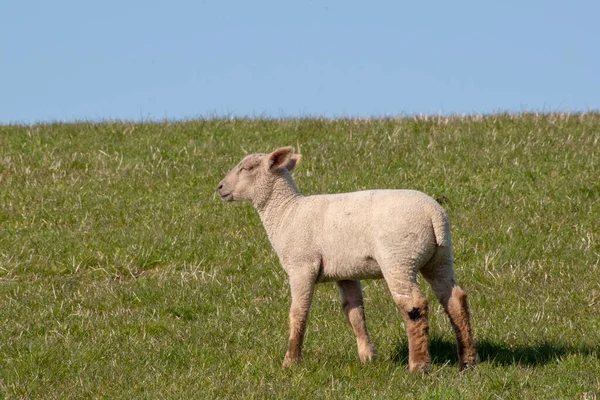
(390, 234)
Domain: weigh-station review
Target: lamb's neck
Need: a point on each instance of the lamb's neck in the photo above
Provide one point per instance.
(281, 201)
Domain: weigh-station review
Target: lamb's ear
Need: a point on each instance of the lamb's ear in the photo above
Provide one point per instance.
(280, 158)
(294, 161)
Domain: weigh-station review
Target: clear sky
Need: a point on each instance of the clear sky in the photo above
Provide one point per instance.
(130, 59)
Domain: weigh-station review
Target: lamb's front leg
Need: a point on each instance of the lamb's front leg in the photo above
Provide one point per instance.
(302, 289)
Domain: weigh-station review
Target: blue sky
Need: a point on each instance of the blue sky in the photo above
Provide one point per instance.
(139, 60)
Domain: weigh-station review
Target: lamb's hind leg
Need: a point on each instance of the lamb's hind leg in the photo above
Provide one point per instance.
(454, 301)
(415, 310)
(352, 303)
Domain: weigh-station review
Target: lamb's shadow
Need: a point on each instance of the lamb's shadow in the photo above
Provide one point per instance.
(444, 351)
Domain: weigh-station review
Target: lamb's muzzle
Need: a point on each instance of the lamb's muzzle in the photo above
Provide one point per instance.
(223, 193)
(390, 234)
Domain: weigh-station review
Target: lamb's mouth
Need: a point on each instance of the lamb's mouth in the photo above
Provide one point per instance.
(226, 197)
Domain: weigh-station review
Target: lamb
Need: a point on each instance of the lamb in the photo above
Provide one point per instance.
(374, 234)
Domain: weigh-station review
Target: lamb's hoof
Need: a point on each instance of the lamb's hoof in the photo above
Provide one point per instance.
(290, 362)
(367, 356)
(423, 368)
(469, 363)
(467, 366)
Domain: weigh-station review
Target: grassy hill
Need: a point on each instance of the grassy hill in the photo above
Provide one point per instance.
(123, 275)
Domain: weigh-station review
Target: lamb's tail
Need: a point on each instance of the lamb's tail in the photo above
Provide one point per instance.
(441, 228)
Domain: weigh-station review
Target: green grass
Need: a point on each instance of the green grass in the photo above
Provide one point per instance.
(122, 275)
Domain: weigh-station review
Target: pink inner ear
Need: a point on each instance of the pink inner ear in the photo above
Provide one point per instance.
(294, 161)
(291, 164)
(280, 157)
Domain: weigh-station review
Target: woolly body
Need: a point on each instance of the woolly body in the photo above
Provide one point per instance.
(349, 235)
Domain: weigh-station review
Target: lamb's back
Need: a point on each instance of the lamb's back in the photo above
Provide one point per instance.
(351, 230)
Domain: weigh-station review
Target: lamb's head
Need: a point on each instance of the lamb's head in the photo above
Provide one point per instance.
(254, 177)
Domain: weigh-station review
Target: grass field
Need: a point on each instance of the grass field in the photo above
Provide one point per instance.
(122, 275)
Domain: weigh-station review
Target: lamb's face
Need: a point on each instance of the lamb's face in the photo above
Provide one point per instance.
(241, 181)
(253, 178)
